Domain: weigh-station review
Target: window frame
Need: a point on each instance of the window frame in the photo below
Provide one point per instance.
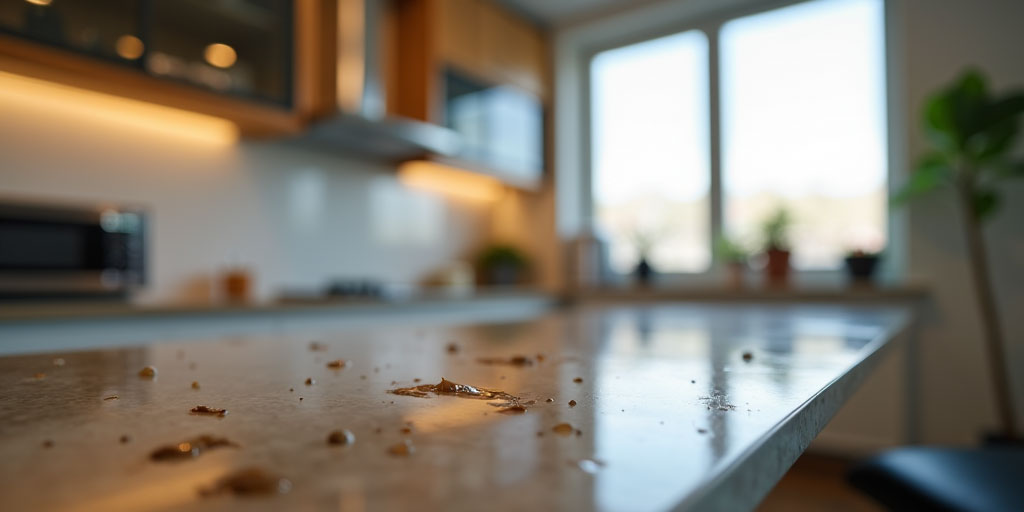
(710, 24)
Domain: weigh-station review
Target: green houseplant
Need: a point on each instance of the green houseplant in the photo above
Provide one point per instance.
(502, 265)
(972, 134)
(775, 231)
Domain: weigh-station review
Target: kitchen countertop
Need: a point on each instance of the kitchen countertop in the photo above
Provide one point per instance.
(669, 413)
(36, 311)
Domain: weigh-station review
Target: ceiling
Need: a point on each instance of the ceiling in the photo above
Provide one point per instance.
(554, 12)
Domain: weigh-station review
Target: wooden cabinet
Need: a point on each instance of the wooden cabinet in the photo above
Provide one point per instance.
(486, 41)
(251, 63)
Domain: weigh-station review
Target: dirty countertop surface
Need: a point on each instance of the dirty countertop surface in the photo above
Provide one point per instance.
(688, 407)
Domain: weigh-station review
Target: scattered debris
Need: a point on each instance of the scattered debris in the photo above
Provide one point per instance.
(248, 482)
(58, 361)
(550, 400)
(748, 356)
(48, 443)
(310, 381)
(195, 384)
(578, 380)
(509, 361)
(188, 449)
(316, 346)
(148, 372)
(337, 364)
(111, 397)
(209, 411)
(512, 409)
(341, 437)
(562, 429)
(452, 348)
(588, 465)
(572, 403)
(717, 401)
(402, 449)
(125, 438)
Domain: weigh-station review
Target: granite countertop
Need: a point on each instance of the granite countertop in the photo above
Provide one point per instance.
(685, 407)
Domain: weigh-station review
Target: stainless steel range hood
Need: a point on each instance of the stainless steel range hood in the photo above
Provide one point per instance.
(361, 124)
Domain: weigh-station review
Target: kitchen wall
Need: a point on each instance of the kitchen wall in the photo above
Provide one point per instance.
(294, 216)
(930, 42)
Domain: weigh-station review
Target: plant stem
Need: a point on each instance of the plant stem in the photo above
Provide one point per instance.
(978, 260)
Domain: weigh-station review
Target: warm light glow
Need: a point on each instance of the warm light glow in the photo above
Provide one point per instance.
(450, 181)
(40, 2)
(129, 47)
(62, 102)
(220, 55)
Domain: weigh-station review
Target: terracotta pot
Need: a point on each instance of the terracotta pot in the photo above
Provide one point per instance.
(777, 270)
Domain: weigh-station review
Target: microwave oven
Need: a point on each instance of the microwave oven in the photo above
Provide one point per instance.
(52, 250)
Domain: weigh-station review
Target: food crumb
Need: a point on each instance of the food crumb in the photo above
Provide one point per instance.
(48, 443)
(124, 439)
(111, 397)
(563, 429)
(693, 381)
(549, 400)
(417, 380)
(403, 449)
(39, 376)
(579, 432)
(337, 364)
(406, 431)
(540, 358)
(301, 399)
(316, 346)
(512, 409)
(702, 431)
(209, 411)
(341, 437)
(148, 372)
(291, 390)
(195, 384)
(248, 481)
(578, 380)
(572, 403)
(310, 381)
(453, 348)
(748, 356)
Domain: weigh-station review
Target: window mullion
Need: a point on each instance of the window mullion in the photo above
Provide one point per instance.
(715, 137)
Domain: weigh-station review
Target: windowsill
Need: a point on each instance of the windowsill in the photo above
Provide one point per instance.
(909, 292)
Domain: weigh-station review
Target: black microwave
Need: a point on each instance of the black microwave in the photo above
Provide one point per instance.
(68, 251)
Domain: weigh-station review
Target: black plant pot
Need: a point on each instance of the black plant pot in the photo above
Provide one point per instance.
(861, 268)
(643, 272)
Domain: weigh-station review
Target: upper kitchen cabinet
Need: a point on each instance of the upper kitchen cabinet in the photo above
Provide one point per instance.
(481, 39)
(236, 59)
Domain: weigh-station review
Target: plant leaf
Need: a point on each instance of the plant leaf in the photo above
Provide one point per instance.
(986, 203)
(995, 136)
(931, 172)
(956, 113)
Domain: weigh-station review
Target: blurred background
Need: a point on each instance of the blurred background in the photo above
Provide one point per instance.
(192, 156)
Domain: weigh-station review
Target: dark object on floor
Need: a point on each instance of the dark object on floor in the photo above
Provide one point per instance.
(965, 479)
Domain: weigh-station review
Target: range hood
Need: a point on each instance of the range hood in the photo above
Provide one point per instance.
(361, 123)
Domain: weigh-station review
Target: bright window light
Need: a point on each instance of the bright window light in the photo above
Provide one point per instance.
(804, 126)
(650, 152)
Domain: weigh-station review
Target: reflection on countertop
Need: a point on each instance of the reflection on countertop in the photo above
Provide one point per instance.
(669, 412)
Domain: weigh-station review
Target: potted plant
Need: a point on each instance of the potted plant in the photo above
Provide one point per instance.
(502, 265)
(861, 265)
(775, 231)
(734, 256)
(644, 272)
(972, 135)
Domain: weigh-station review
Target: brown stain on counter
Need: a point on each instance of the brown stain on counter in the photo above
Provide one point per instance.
(188, 449)
(202, 410)
(250, 481)
(449, 388)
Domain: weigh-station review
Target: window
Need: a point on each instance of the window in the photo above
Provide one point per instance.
(650, 152)
(803, 127)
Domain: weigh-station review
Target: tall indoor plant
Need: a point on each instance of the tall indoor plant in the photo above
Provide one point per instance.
(972, 133)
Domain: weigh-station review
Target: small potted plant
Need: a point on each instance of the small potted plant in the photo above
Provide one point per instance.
(502, 265)
(734, 256)
(644, 272)
(775, 231)
(860, 265)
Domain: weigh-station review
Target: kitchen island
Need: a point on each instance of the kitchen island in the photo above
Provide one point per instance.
(602, 407)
